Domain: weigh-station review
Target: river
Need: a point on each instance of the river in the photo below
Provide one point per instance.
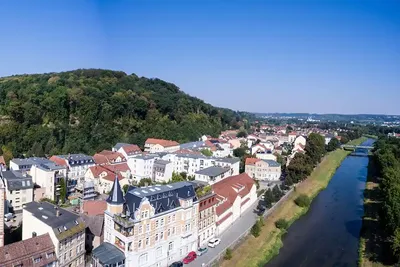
(328, 235)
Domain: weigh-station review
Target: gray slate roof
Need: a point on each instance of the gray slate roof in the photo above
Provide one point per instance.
(119, 145)
(108, 254)
(213, 171)
(161, 197)
(16, 180)
(271, 163)
(28, 162)
(192, 145)
(116, 196)
(77, 159)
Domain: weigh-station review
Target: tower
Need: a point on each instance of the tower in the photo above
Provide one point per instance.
(115, 200)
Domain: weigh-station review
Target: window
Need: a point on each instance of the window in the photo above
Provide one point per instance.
(162, 222)
(169, 231)
(156, 223)
(161, 235)
(173, 217)
(143, 259)
(168, 219)
(147, 241)
(159, 252)
(171, 246)
(173, 230)
(140, 230)
(156, 237)
(37, 260)
(70, 253)
(148, 227)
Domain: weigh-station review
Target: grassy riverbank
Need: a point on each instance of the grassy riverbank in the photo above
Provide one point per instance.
(374, 251)
(258, 251)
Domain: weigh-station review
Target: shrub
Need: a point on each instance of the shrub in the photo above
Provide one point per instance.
(282, 224)
(302, 201)
(256, 229)
(228, 254)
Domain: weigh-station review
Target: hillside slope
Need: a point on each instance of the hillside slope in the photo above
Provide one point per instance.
(89, 110)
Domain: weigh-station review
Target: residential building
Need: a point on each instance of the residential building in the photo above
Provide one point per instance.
(300, 140)
(235, 143)
(2, 210)
(142, 166)
(207, 218)
(37, 251)
(162, 171)
(47, 175)
(153, 226)
(66, 230)
(213, 174)
(266, 155)
(108, 157)
(234, 196)
(107, 255)
(154, 145)
(19, 189)
(130, 150)
(292, 136)
(24, 165)
(263, 169)
(103, 178)
(77, 165)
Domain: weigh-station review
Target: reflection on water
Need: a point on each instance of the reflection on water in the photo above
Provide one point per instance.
(328, 234)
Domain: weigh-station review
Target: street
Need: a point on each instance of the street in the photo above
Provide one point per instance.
(247, 219)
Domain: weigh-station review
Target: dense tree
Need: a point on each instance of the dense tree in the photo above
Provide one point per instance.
(89, 110)
(269, 198)
(241, 133)
(276, 191)
(299, 168)
(315, 147)
(333, 144)
(239, 152)
(145, 182)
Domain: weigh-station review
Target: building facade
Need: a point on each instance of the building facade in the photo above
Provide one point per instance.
(154, 145)
(207, 218)
(19, 189)
(66, 230)
(263, 169)
(153, 226)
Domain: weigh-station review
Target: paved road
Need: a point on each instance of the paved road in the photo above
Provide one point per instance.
(247, 219)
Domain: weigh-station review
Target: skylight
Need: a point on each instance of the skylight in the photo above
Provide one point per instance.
(144, 191)
(136, 193)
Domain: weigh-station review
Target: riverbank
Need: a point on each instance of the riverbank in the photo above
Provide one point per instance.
(258, 251)
(373, 250)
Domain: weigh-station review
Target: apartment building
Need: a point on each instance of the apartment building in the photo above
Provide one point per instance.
(162, 171)
(263, 169)
(234, 196)
(142, 166)
(207, 218)
(213, 174)
(19, 189)
(66, 230)
(154, 145)
(77, 165)
(2, 210)
(24, 165)
(48, 175)
(153, 226)
(37, 251)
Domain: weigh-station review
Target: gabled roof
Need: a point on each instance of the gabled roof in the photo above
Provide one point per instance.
(116, 196)
(162, 142)
(110, 173)
(107, 157)
(131, 149)
(270, 162)
(251, 161)
(228, 189)
(16, 180)
(94, 207)
(119, 145)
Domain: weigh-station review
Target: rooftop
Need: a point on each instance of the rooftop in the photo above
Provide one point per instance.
(213, 171)
(108, 254)
(17, 180)
(162, 142)
(29, 161)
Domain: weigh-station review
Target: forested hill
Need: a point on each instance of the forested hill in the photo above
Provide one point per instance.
(90, 110)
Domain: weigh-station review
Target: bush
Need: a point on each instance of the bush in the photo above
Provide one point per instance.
(228, 254)
(302, 201)
(256, 229)
(282, 224)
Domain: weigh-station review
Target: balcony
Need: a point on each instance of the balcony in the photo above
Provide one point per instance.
(123, 221)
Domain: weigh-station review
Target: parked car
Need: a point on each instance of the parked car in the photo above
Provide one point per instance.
(201, 251)
(190, 257)
(176, 264)
(214, 242)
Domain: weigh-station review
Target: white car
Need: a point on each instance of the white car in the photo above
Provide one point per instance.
(214, 242)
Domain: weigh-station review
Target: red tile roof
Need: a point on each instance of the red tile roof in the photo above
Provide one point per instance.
(58, 161)
(251, 161)
(24, 252)
(227, 189)
(162, 142)
(131, 149)
(110, 175)
(94, 207)
(210, 145)
(107, 157)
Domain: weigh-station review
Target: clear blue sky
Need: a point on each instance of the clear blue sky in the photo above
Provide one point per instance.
(321, 56)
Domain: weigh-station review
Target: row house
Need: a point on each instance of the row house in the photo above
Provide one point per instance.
(77, 165)
(19, 189)
(234, 195)
(108, 157)
(152, 226)
(153, 145)
(263, 170)
(37, 251)
(66, 231)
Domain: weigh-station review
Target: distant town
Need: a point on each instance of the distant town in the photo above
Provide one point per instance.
(129, 206)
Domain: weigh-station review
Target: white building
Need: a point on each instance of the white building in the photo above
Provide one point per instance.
(66, 230)
(300, 140)
(213, 174)
(154, 145)
(24, 165)
(162, 171)
(266, 155)
(265, 170)
(142, 166)
(234, 196)
(47, 175)
(19, 189)
(158, 226)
